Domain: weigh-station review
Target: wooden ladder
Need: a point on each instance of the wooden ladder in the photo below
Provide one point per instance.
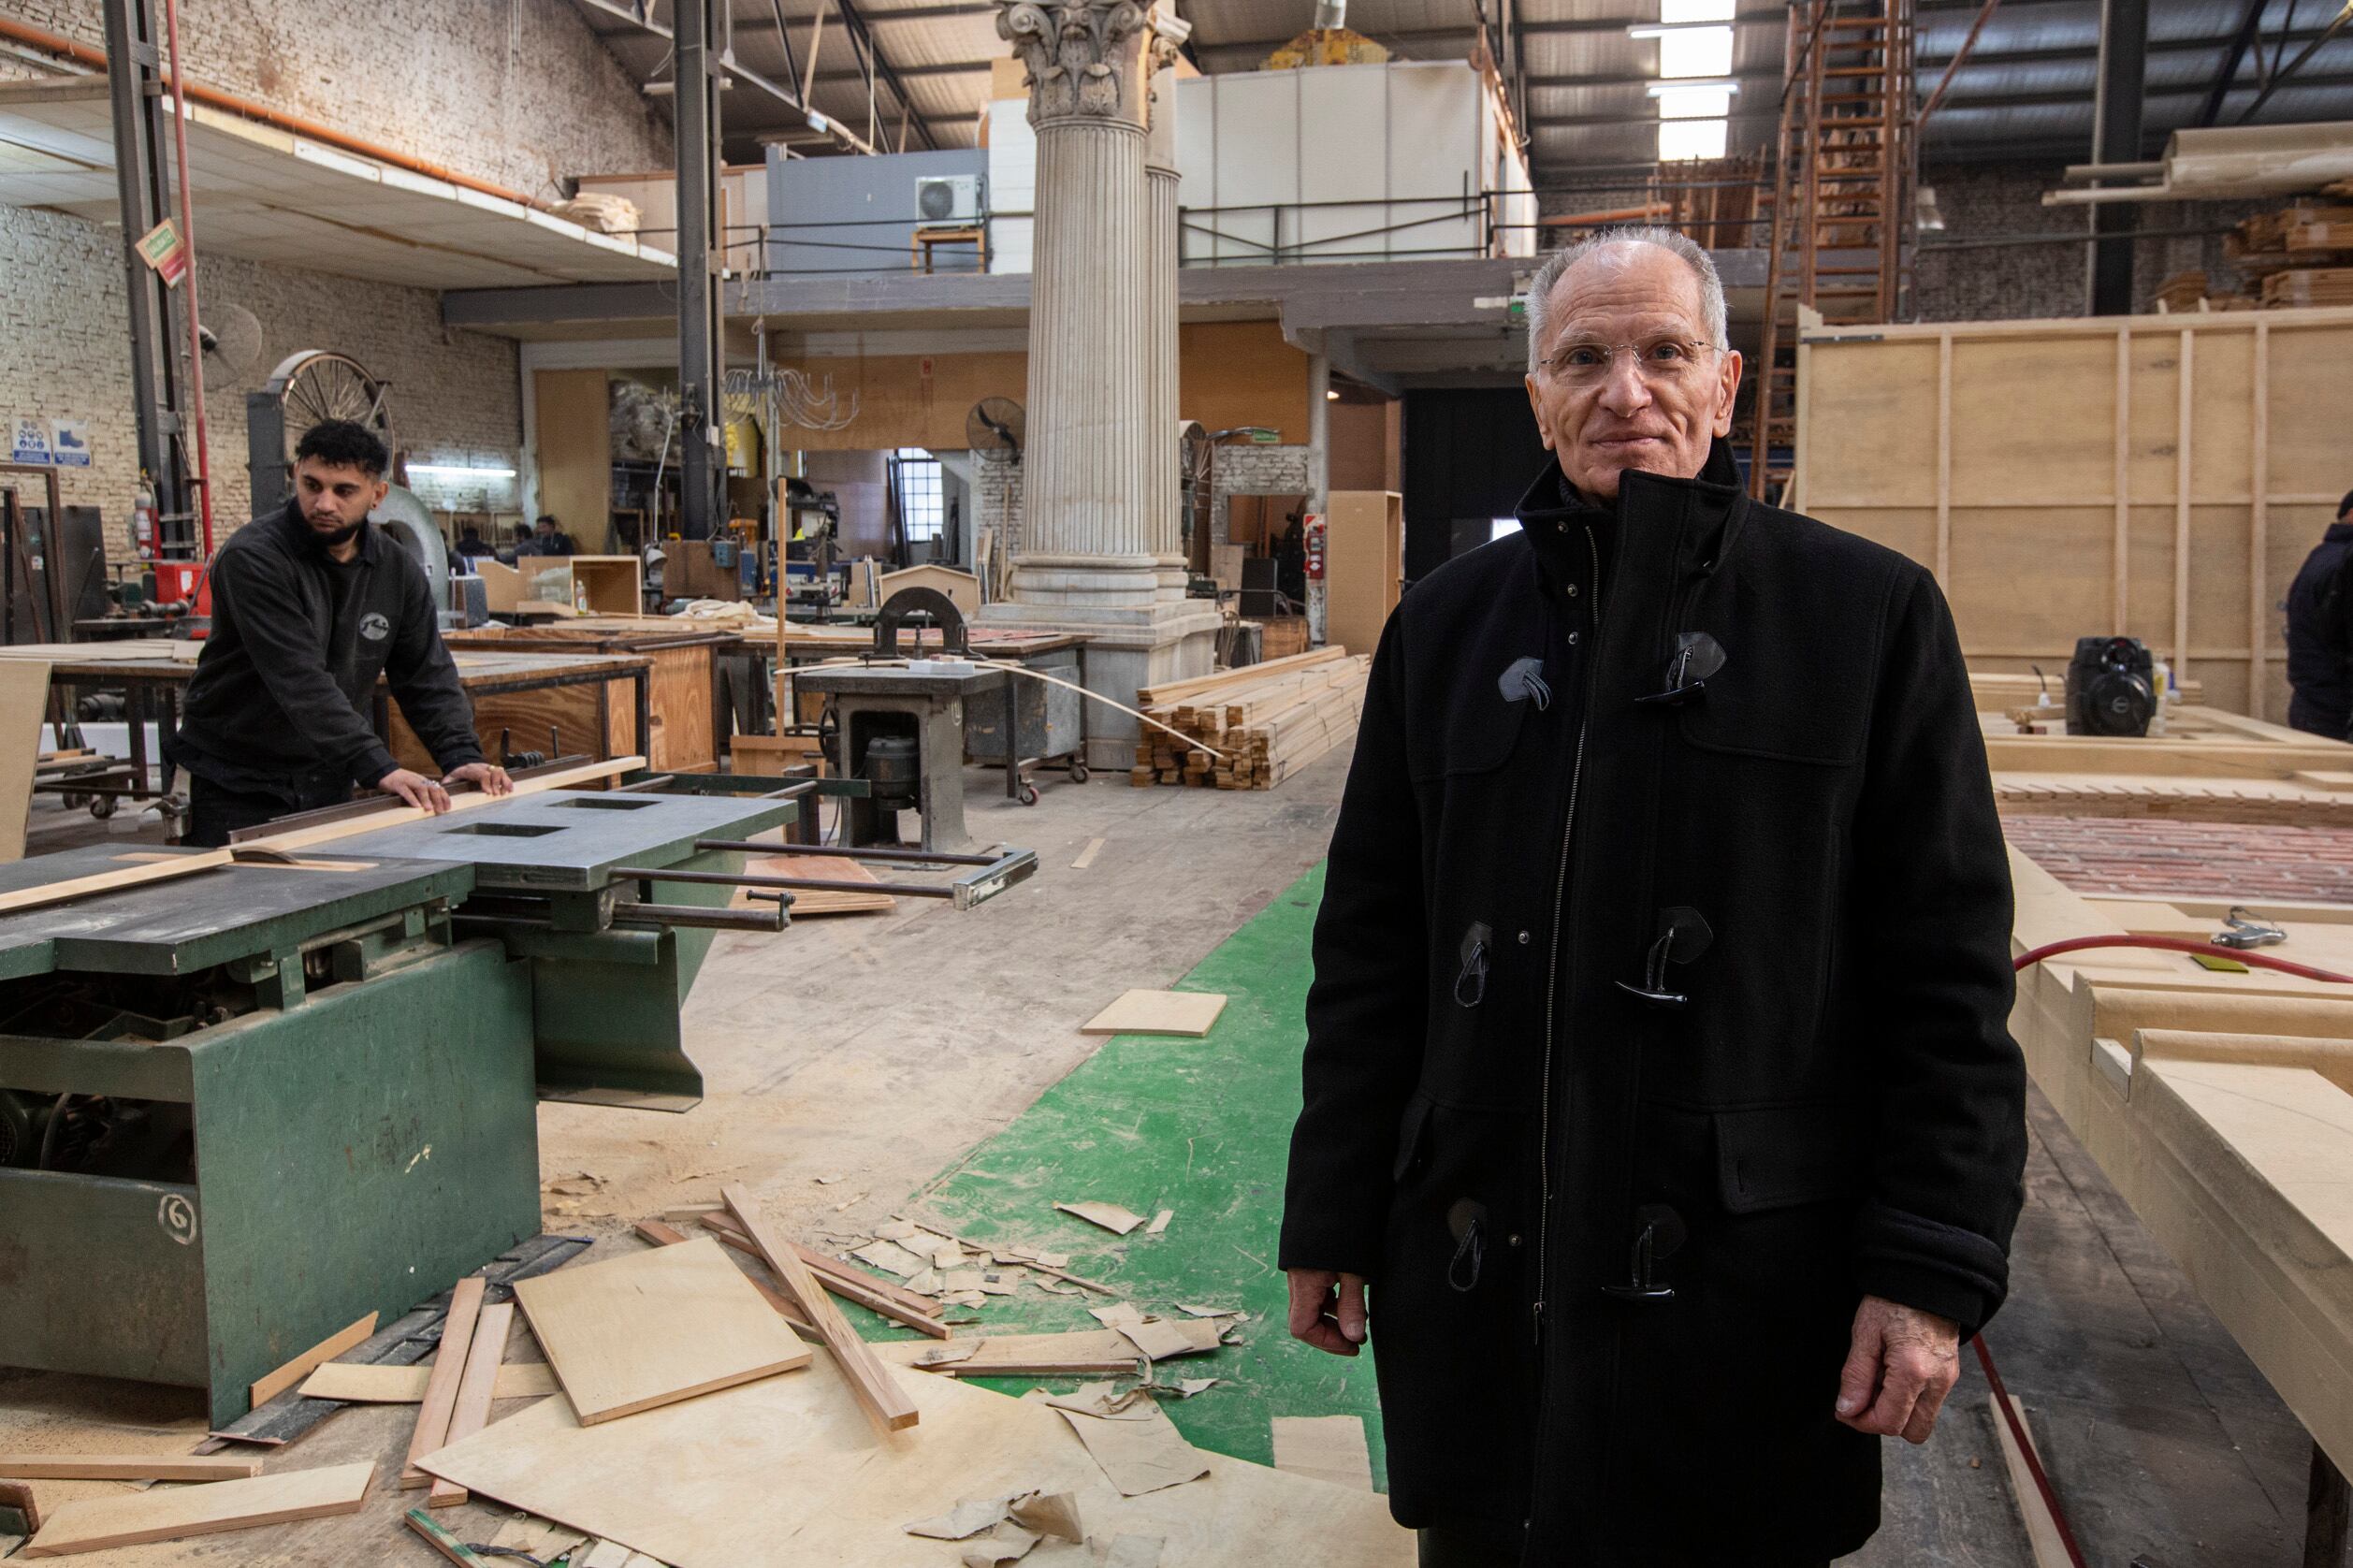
(1841, 202)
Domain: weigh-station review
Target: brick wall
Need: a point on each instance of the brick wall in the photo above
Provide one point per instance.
(1254, 470)
(518, 94)
(996, 498)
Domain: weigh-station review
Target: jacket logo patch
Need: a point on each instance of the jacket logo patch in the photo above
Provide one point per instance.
(375, 627)
(1524, 678)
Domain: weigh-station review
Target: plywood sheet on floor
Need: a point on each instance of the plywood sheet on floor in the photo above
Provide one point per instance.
(1158, 1012)
(789, 1470)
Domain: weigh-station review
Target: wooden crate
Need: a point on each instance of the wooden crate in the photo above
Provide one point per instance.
(1364, 566)
(2159, 476)
(683, 731)
(591, 584)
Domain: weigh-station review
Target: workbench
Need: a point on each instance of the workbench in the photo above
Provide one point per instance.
(155, 680)
(687, 717)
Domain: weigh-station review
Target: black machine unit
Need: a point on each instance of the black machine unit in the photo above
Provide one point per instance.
(2111, 687)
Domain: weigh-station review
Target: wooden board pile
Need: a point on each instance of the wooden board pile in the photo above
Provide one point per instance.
(2302, 255)
(1259, 724)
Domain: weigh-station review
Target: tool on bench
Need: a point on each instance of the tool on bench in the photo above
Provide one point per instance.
(244, 1105)
(2246, 930)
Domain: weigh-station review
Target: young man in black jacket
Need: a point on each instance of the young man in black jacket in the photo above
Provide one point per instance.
(2320, 633)
(310, 606)
(1658, 1079)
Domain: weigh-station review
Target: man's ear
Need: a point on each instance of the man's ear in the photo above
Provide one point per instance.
(383, 488)
(1535, 403)
(1729, 378)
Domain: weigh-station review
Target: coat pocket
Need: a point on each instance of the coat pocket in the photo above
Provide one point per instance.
(1476, 734)
(1777, 1157)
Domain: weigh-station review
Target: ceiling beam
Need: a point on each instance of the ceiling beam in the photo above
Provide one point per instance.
(2249, 26)
(2073, 98)
(855, 22)
(2076, 54)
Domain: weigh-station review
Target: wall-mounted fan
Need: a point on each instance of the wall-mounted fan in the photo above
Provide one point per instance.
(996, 424)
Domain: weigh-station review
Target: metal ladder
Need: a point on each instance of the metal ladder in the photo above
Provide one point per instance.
(1842, 181)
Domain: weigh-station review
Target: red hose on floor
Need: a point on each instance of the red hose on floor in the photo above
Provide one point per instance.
(2003, 1403)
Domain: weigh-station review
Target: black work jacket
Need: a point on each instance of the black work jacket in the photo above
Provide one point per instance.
(287, 680)
(2320, 638)
(1731, 966)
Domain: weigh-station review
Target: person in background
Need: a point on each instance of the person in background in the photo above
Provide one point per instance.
(547, 539)
(471, 543)
(310, 606)
(2320, 633)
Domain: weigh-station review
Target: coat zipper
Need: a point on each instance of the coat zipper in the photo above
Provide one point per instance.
(1552, 973)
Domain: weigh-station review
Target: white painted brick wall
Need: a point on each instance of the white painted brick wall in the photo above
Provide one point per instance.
(518, 94)
(1254, 470)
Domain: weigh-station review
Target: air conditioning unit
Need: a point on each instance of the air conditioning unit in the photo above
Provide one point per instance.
(948, 198)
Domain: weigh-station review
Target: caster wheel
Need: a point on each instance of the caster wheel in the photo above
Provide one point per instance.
(73, 802)
(1029, 794)
(102, 806)
(1078, 773)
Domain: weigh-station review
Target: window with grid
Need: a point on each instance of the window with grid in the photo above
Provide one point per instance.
(919, 504)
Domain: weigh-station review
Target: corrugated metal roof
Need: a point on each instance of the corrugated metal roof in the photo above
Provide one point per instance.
(2024, 92)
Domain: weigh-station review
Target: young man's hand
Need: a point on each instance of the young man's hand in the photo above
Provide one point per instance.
(489, 776)
(417, 790)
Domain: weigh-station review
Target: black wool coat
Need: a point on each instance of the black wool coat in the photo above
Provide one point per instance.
(1727, 969)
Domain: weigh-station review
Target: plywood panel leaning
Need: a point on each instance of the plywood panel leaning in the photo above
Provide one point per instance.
(2161, 477)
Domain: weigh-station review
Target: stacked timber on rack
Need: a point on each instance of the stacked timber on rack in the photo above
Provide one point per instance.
(1251, 728)
(2302, 255)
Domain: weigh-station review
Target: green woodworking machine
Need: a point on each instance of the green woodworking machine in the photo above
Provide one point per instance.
(244, 1105)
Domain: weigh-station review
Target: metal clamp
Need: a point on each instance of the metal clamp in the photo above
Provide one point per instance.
(2247, 930)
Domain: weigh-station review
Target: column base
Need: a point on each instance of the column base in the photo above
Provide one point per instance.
(1127, 648)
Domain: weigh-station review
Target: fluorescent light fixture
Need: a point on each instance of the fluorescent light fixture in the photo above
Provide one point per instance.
(453, 470)
(1726, 85)
(1666, 29)
(1680, 140)
(1689, 52)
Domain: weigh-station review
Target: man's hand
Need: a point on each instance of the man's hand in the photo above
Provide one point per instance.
(490, 777)
(1312, 1315)
(417, 790)
(1902, 1365)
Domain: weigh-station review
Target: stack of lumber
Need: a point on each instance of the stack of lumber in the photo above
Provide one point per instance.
(1258, 725)
(2303, 253)
(2194, 290)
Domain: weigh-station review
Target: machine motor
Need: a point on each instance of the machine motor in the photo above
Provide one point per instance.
(893, 769)
(2111, 687)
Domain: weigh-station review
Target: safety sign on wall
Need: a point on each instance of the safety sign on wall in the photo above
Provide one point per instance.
(31, 441)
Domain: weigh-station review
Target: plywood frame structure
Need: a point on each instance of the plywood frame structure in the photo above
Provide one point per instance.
(2161, 477)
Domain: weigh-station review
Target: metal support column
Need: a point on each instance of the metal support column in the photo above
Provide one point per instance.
(2124, 70)
(700, 47)
(135, 85)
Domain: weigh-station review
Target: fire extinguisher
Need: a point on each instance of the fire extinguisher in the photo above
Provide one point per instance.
(143, 520)
(1313, 549)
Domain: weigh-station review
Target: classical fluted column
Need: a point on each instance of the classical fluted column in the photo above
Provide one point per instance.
(1099, 548)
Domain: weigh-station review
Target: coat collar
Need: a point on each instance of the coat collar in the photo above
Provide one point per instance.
(1713, 506)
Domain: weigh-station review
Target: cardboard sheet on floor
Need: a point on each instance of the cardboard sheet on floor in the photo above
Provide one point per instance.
(1326, 1447)
(789, 1470)
(652, 1328)
(1158, 1012)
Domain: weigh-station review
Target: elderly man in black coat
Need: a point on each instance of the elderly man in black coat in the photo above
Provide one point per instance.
(1658, 1083)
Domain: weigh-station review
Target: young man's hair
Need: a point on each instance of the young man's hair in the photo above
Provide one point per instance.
(548, 517)
(344, 443)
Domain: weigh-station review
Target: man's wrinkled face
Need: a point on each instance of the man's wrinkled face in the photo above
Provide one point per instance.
(335, 498)
(1629, 376)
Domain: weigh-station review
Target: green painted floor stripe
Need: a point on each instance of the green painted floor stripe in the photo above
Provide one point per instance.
(1200, 1126)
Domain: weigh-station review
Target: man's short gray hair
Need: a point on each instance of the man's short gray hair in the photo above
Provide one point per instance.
(1694, 255)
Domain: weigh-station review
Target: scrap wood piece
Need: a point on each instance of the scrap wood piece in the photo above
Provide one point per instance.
(649, 1328)
(1160, 1222)
(882, 1296)
(124, 1467)
(856, 896)
(441, 1388)
(1140, 1448)
(443, 1542)
(1086, 856)
(1326, 1447)
(470, 1412)
(607, 1554)
(1055, 1514)
(131, 1518)
(359, 1383)
(294, 1371)
(1160, 1339)
(661, 1235)
(543, 1539)
(1110, 1217)
(877, 1391)
(1114, 1316)
(890, 1258)
(1008, 1542)
(16, 1499)
(964, 1521)
(2042, 1532)
(1158, 1012)
(1090, 1353)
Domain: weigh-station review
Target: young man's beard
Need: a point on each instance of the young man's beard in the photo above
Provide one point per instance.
(343, 535)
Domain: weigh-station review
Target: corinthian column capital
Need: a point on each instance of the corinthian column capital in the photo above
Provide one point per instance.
(1091, 59)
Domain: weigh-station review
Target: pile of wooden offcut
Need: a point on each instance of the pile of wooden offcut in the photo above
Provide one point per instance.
(1260, 723)
(2302, 253)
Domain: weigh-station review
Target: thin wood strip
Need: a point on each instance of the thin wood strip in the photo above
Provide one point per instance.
(664, 1235)
(2122, 547)
(294, 1371)
(2185, 430)
(2258, 547)
(1170, 691)
(125, 1467)
(400, 816)
(449, 1367)
(875, 1385)
(1944, 459)
(904, 1306)
(475, 1390)
(126, 1520)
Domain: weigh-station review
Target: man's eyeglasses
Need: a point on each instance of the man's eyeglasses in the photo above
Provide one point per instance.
(1658, 361)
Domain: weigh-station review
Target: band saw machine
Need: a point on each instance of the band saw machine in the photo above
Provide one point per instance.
(242, 1107)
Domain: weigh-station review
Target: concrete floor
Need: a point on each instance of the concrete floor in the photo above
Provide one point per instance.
(873, 1052)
